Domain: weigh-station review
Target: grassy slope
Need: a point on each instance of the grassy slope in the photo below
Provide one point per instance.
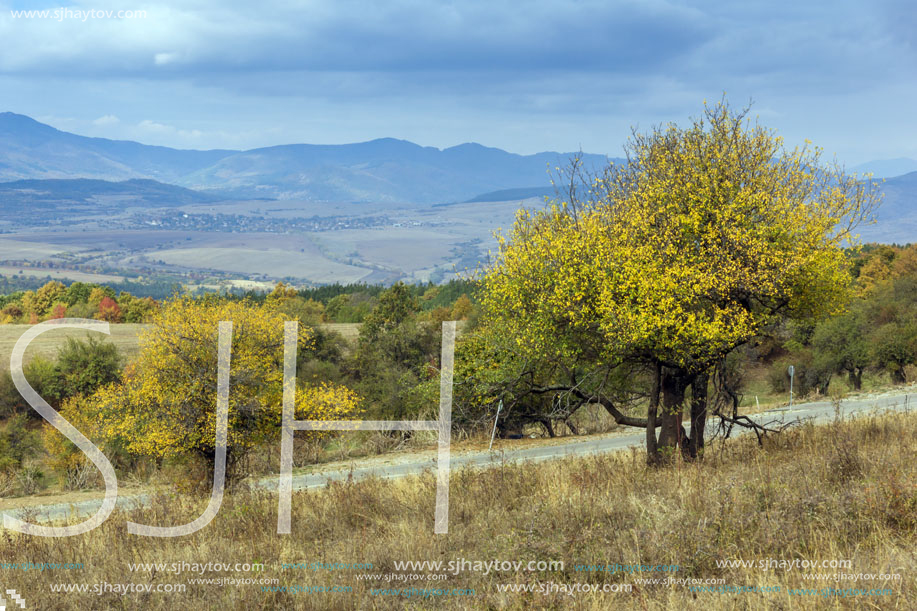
(124, 336)
(841, 491)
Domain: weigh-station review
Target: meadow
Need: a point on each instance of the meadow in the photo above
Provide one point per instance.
(58, 274)
(124, 336)
(846, 491)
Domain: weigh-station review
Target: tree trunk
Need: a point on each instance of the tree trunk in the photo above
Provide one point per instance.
(652, 454)
(855, 377)
(550, 429)
(673, 386)
(823, 387)
(698, 415)
(573, 428)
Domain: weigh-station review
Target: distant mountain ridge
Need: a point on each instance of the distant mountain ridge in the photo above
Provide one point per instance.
(384, 170)
(506, 195)
(53, 191)
(887, 168)
(33, 150)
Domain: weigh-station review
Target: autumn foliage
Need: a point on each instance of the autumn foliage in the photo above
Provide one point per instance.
(109, 310)
(165, 405)
(707, 237)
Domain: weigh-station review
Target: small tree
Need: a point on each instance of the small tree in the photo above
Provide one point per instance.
(894, 347)
(395, 306)
(166, 404)
(135, 309)
(109, 310)
(393, 352)
(842, 344)
(42, 376)
(42, 300)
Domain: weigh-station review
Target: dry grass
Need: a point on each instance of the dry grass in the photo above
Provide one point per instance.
(124, 336)
(842, 491)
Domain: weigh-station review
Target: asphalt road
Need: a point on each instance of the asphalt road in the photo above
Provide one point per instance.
(403, 465)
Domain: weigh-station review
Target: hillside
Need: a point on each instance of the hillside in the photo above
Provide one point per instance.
(33, 150)
(897, 216)
(50, 192)
(384, 170)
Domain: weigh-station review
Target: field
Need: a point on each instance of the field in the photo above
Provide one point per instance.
(251, 261)
(846, 491)
(409, 242)
(34, 250)
(124, 336)
(60, 274)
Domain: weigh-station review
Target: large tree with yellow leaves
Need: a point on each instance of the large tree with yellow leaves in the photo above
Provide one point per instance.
(701, 242)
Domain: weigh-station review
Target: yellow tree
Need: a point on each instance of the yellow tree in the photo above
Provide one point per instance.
(41, 301)
(702, 241)
(166, 403)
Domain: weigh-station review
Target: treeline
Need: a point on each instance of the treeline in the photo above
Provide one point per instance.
(393, 364)
(352, 303)
(155, 288)
(79, 300)
(391, 369)
(877, 334)
(37, 300)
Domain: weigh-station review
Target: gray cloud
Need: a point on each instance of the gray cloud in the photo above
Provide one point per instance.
(351, 35)
(521, 75)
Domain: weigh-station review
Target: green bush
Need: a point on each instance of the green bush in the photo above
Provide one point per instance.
(41, 374)
(812, 374)
(84, 366)
(17, 443)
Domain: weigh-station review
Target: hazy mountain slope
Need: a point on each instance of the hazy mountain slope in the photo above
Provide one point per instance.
(508, 195)
(90, 195)
(885, 168)
(384, 170)
(33, 150)
(897, 214)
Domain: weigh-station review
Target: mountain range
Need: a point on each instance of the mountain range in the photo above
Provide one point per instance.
(40, 165)
(384, 170)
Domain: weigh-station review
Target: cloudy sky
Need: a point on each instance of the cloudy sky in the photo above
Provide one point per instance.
(523, 75)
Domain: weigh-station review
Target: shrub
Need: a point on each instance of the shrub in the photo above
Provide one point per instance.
(85, 366)
(41, 375)
(811, 375)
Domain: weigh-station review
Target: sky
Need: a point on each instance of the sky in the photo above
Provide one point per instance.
(523, 75)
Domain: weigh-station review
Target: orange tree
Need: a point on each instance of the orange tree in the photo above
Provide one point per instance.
(704, 240)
